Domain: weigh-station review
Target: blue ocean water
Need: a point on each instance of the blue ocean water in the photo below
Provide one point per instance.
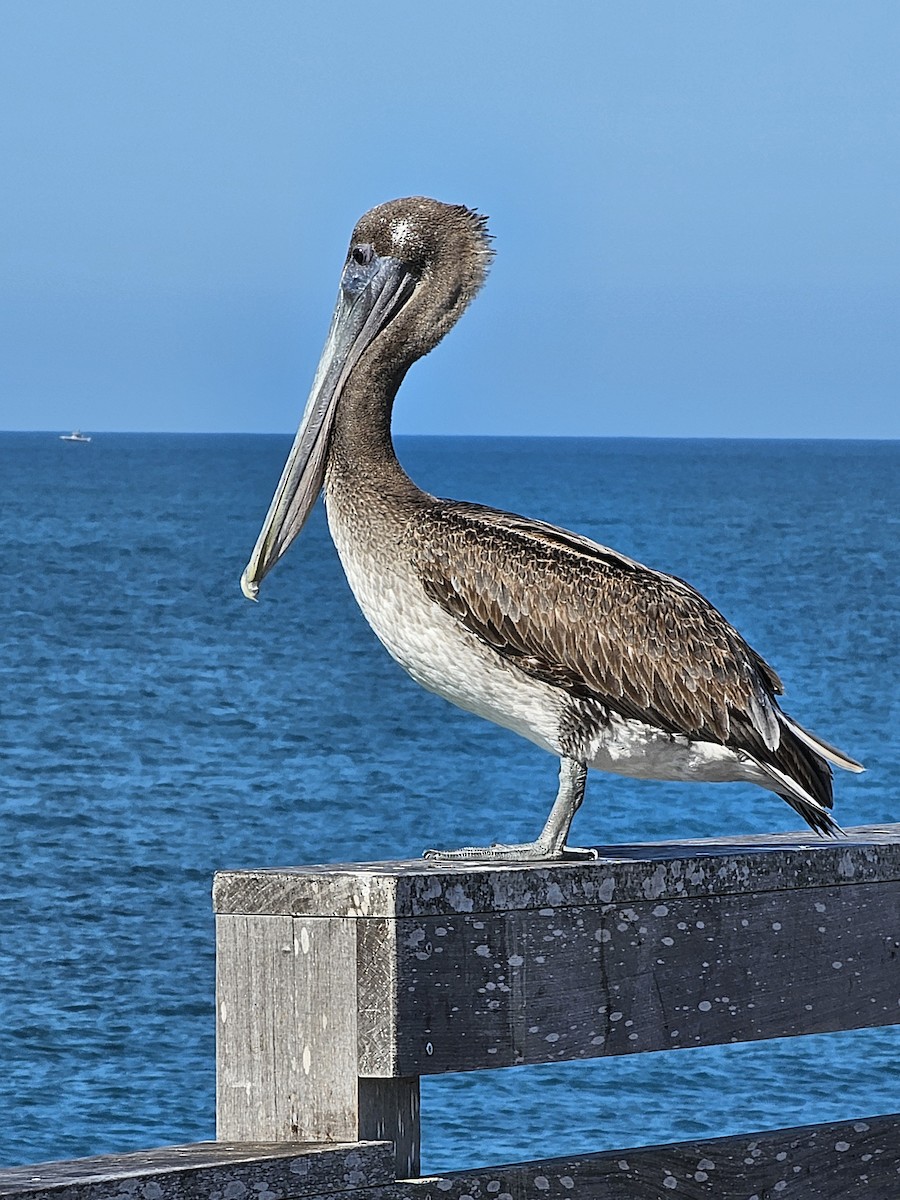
(155, 727)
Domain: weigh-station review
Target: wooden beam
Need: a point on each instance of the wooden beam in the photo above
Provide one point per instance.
(846, 1160)
(474, 965)
(551, 985)
(656, 871)
(843, 1160)
(286, 1035)
(207, 1171)
(389, 1111)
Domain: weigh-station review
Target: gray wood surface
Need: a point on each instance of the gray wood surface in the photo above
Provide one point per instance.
(845, 1160)
(479, 990)
(848, 1160)
(207, 1171)
(287, 1066)
(286, 1029)
(377, 968)
(657, 871)
(339, 986)
(389, 1111)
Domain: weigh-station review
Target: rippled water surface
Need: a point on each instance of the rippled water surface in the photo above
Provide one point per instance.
(156, 726)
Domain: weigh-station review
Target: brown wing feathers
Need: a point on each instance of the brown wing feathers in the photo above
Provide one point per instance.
(602, 627)
(599, 626)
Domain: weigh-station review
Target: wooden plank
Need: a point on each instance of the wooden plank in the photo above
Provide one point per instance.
(388, 1101)
(325, 1022)
(661, 871)
(207, 1171)
(322, 1018)
(286, 1029)
(376, 972)
(287, 1040)
(389, 1111)
(549, 985)
(252, 955)
(846, 1160)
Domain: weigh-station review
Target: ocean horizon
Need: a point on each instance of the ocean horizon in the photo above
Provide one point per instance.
(399, 437)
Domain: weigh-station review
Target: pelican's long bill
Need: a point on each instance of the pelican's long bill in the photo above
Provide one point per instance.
(373, 290)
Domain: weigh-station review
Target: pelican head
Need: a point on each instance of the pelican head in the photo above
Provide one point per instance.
(412, 268)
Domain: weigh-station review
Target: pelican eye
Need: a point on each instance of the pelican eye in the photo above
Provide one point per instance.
(361, 267)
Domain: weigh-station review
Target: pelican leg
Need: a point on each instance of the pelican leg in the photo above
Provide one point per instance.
(551, 845)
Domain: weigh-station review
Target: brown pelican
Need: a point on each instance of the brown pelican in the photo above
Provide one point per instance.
(600, 660)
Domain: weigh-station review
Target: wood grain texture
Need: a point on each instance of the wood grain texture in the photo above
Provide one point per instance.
(660, 871)
(549, 985)
(253, 966)
(286, 1029)
(326, 1022)
(845, 1160)
(728, 943)
(848, 1160)
(287, 1039)
(389, 1111)
(207, 1171)
(377, 972)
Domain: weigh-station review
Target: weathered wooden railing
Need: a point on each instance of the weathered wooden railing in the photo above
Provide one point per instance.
(338, 987)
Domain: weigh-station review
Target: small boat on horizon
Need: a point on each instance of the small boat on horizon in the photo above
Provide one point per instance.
(75, 436)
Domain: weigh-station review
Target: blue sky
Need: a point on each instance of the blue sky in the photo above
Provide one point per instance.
(695, 208)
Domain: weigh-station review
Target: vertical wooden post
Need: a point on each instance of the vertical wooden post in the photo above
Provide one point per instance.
(389, 1112)
(287, 1043)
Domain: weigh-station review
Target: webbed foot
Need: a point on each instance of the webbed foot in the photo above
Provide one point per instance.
(522, 852)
